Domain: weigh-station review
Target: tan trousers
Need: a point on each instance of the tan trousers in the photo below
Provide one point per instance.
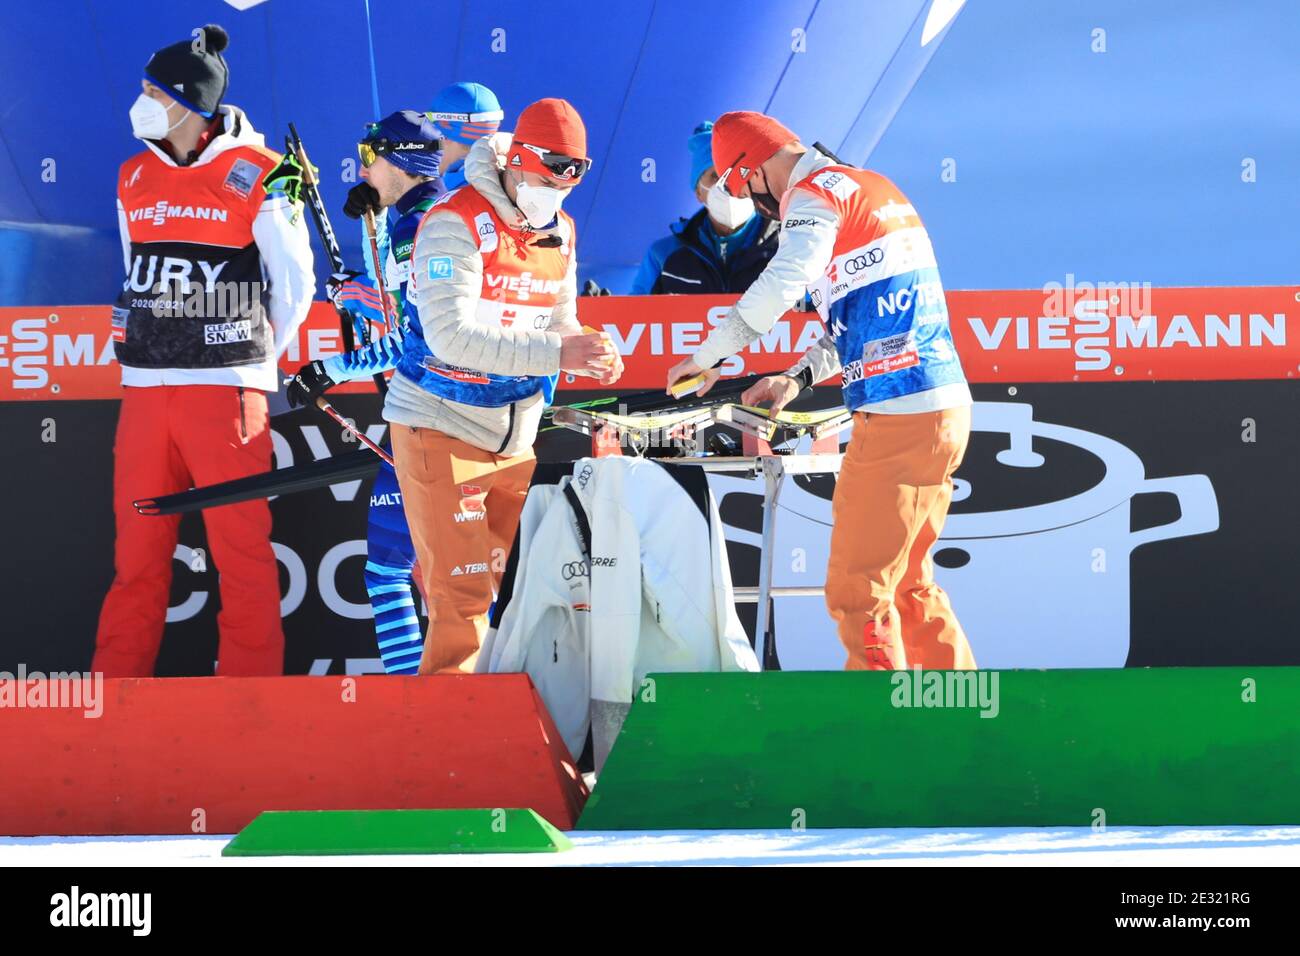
(890, 502)
(463, 505)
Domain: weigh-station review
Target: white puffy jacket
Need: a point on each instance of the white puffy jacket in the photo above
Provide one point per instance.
(650, 593)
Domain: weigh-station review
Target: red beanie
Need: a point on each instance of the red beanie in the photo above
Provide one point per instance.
(549, 124)
(743, 141)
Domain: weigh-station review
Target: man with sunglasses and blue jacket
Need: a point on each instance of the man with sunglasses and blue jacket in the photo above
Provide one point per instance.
(400, 163)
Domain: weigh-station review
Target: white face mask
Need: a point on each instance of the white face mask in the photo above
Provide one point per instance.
(149, 118)
(539, 204)
(725, 209)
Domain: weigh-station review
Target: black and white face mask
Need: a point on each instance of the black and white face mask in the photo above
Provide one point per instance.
(768, 206)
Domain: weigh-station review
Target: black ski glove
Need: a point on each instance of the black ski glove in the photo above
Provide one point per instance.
(308, 383)
(361, 197)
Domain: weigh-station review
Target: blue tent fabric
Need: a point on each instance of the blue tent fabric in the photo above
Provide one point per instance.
(1121, 165)
(641, 74)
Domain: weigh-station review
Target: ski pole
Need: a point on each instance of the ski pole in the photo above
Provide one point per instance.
(320, 217)
(372, 234)
(333, 413)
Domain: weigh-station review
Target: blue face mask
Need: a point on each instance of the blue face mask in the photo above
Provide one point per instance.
(453, 176)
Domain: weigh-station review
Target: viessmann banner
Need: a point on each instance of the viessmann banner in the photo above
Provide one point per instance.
(1126, 498)
(1071, 333)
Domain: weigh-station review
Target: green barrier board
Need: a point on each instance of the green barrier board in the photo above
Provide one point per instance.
(337, 832)
(1153, 747)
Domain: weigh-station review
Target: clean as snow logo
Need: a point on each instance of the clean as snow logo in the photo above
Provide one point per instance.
(228, 333)
(162, 210)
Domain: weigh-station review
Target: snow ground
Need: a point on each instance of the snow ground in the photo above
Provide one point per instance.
(1056, 846)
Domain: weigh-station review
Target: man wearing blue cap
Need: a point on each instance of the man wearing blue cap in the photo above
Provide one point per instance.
(400, 158)
(462, 114)
(720, 249)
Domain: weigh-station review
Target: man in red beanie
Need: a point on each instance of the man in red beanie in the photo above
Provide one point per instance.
(851, 240)
(491, 304)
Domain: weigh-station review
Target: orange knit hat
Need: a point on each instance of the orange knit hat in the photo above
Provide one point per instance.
(743, 141)
(549, 126)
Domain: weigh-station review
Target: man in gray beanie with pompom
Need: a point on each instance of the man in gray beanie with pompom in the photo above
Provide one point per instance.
(219, 277)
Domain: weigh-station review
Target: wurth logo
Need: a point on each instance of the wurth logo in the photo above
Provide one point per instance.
(162, 210)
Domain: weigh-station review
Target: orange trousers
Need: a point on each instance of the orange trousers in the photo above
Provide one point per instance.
(169, 437)
(463, 506)
(890, 502)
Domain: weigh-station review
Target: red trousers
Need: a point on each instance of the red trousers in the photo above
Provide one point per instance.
(890, 502)
(169, 438)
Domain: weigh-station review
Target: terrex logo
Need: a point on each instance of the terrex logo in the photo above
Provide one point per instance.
(162, 210)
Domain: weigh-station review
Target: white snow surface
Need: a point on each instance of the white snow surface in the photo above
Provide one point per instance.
(1048, 846)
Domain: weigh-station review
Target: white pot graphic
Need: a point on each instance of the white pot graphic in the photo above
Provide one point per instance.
(1045, 585)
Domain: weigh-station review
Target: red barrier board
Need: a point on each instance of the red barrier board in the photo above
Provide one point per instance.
(194, 755)
(1084, 333)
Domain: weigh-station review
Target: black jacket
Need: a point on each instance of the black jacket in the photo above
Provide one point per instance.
(690, 265)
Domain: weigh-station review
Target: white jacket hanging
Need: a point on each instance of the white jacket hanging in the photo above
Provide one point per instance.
(620, 570)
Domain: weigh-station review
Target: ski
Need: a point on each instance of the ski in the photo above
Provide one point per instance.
(282, 481)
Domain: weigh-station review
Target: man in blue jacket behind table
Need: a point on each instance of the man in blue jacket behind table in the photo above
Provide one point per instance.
(720, 249)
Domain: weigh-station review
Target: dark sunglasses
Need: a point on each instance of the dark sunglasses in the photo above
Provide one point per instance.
(559, 165)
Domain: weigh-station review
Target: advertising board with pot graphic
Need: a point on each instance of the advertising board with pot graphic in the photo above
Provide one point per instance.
(1034, 555)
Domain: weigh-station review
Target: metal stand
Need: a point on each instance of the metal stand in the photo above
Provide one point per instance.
(759, 428)
(773, 468)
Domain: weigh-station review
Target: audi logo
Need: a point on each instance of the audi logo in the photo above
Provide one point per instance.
(575, 569)
(872, 257)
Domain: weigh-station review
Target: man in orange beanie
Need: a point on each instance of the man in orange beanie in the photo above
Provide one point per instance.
(851, 240)
(491, 303)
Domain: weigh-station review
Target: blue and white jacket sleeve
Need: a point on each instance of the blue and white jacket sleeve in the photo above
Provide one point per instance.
(383, 354)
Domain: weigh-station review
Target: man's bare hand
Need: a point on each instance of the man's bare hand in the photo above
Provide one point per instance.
(779, 390)
(614, 372)
(687, 369)
(591, 354)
